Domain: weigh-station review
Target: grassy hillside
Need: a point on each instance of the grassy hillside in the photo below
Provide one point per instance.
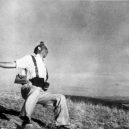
(85, 113)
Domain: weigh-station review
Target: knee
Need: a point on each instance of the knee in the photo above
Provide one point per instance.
(60, 98)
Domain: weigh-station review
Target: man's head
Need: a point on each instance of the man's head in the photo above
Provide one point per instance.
(41, 49)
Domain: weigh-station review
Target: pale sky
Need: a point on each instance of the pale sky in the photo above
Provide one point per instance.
(84, 38)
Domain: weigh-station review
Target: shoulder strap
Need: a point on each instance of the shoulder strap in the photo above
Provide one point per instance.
(35, 64)
(46, 74)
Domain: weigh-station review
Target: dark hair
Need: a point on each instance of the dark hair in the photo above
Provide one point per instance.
(40, 47)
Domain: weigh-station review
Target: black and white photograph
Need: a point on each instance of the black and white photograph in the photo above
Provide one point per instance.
(64, 64)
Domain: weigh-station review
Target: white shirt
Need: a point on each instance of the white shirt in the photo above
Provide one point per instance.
(26, 62)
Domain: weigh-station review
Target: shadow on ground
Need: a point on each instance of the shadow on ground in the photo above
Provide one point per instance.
(11, 114)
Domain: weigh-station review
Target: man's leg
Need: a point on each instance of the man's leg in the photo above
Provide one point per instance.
(59, 102)
(30, 102)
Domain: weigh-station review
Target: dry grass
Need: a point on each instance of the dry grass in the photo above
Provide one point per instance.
(84, 114)
(87, 115)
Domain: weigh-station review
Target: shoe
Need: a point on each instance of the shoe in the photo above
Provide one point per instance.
(26, 124)
(26, 120)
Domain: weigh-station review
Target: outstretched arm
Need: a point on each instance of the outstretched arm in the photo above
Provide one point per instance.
(8, 64)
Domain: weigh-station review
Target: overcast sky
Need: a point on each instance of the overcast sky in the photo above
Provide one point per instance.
(89, 38)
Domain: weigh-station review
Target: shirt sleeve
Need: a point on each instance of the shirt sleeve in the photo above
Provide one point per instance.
(23, 62)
